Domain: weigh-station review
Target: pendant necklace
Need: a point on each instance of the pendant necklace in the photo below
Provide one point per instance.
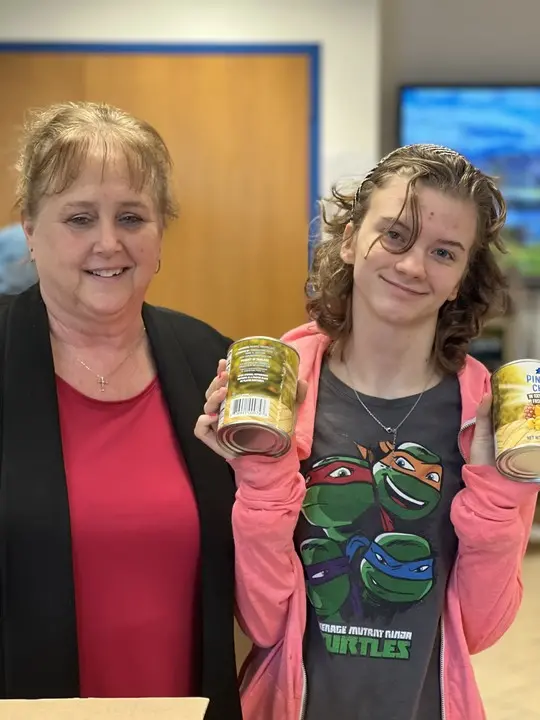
(103, 380)
(387, 428)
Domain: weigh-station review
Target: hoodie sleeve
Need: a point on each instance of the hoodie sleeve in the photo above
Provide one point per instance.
(268, 570)
(492, 517)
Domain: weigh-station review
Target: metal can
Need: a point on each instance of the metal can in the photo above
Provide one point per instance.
(516, 419)
(258, 414)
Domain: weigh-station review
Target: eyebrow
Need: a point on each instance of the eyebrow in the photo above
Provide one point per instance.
(392, 221)
(452, 243)
(443, 241)
(87, 204)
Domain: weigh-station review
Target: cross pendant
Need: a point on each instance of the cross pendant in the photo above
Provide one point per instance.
(102, 382)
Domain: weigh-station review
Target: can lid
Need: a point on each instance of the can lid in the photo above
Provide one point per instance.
(522, 463)
(522, 361)
(264, 441)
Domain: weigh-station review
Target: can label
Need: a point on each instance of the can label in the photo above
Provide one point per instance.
(516, 406)
(262, 385)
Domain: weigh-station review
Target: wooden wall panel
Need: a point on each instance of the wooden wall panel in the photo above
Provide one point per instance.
(237, 127)
(28, 81)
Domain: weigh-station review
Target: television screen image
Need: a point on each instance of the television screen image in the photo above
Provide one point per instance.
(498, 130)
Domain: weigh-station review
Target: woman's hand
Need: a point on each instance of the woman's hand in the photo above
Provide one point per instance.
(206, 426)
(483, 445)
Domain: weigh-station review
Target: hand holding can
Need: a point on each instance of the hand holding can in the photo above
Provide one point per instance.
(258, 413)
(217, 393)
(516, 419)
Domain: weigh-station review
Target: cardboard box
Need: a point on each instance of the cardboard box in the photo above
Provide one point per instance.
(98, 709)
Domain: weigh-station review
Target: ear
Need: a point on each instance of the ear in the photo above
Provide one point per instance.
(28, 228)
(347, 250)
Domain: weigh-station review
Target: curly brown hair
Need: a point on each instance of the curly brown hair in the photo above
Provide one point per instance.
(483, 291)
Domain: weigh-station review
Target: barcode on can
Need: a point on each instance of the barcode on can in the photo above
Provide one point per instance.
(250, 405)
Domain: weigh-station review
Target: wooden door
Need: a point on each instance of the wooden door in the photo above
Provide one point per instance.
(237, 127)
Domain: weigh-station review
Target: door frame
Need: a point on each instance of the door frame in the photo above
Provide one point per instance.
(311, 51)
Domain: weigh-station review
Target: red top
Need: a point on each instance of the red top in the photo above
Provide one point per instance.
(135, 531)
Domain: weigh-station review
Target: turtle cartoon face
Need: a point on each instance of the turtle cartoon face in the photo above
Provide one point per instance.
(409, 483)
(327, 571)
(338, 491)
(397, 568)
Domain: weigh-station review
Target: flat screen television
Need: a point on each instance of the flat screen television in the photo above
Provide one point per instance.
(498, 129)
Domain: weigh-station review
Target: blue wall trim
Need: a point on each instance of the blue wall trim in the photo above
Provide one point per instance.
(214, 48)
(310, 50)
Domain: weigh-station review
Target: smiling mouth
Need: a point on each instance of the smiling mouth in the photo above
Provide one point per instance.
(401, 498)
(107, 273)
(389, 590)
(403, 288)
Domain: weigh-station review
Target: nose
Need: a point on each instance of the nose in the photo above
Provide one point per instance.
(107, 241)
(412, 263)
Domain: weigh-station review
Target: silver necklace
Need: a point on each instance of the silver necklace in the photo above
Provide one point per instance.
(103, 380)
(387, 428)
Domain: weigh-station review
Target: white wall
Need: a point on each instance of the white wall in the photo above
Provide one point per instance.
(348, 31)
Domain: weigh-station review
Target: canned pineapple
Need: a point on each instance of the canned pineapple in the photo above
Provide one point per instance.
(516, 419)
(258, 414)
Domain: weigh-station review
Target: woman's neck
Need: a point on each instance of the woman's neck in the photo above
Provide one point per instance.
(386, 361)
(85, 333)
(107, 359)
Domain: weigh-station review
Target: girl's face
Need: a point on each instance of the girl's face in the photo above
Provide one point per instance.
(410, 288)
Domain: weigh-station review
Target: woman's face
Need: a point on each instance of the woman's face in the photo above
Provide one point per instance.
(97, 244)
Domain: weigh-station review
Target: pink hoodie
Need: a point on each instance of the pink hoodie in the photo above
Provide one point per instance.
(492, 517)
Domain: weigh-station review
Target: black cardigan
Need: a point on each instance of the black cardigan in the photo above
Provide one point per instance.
(38, 639)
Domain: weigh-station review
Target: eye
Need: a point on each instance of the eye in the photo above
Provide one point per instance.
(422, 568)
(444, 254)
(381, 559)
(130, 219)
(434, 477)
(80, 220)
(340, 472)
(403, 463)
(394, 237)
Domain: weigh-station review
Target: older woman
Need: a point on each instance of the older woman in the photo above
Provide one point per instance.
(116, 553)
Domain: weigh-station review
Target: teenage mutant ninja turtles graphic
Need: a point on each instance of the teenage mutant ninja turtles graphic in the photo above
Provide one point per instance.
(339, 489)
(407, 480)
(346, 571)
(395, 567)
(329, 582)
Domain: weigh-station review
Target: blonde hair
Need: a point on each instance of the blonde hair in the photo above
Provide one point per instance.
(57, 140)
(483, 288)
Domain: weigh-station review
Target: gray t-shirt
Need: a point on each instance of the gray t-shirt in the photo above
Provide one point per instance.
(377, 545)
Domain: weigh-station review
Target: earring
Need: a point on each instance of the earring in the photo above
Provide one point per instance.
(158, 267)
(32, 259)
